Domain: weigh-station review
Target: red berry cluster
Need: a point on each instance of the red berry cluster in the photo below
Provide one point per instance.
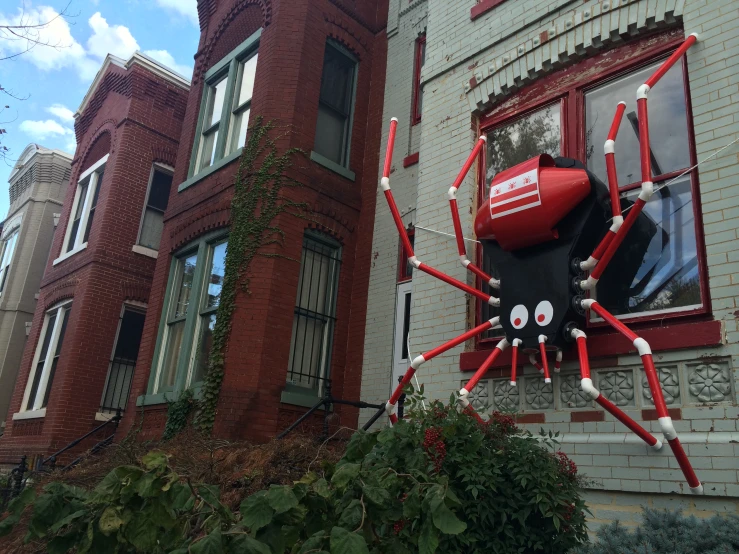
(505, 423)
(566, 466)
(399, 526)
(434, 446)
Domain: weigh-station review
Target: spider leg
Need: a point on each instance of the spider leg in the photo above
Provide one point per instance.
(558, 361)
(476, 152)
(544, 361)
(535, 363)
(514, 358)
(389, 407)
(665, 421)
(385, 184)
(647, 186)
(480, 373)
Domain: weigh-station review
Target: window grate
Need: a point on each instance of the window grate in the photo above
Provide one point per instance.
(315, 312)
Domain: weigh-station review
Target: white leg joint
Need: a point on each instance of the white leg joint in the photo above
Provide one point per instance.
(417, 362)
(668, 429)
(587, 387)
(642, 346)
(697, 490)
(463, 400)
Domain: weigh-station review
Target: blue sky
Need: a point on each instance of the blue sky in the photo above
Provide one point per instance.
(53, 80)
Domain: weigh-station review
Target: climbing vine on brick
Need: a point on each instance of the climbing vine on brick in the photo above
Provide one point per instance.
(258, 200)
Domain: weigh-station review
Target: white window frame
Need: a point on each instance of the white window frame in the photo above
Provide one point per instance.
(93, 172)
(5, 264)
(36, 410)
(138, 248)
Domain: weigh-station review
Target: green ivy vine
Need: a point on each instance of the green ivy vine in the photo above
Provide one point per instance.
(257, 201)
(178, 414)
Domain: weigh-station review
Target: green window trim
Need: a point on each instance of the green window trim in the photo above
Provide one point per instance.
(203, 248)
(228, 68)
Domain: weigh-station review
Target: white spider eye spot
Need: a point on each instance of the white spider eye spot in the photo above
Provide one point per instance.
(519, 316)
(544, 313)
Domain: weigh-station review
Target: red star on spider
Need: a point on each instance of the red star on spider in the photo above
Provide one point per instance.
(527, 181)
(496, 192)
(511, 186)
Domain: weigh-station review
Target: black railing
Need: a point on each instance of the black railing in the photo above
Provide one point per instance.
(118, 385)
(14, 483)
(326, 402)
(50, 462)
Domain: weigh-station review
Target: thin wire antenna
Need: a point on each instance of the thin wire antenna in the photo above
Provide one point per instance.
(443, 233)
(672, 181)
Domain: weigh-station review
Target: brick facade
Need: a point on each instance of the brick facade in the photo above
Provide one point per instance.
(287, 83)
(132, 113)
(488, 57)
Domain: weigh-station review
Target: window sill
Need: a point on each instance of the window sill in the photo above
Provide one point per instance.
(411, 160)
(483, 7)
(220, 164)
(166, 397)
(32, 414)
(696, 334)
(295, 396)
(144, 251)
(100, 416)
(69, 254)
(333, 166)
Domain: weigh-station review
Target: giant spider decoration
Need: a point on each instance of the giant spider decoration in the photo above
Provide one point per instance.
(537, 225)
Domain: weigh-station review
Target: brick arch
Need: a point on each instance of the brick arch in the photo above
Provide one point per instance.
(342, 33)
(135, 291)
(216, 218)
(62, 291)
(163, 155)
(331, 216)
(98, 146)
(240, 6)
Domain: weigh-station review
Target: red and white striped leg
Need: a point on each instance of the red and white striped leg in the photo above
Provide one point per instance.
(423, 358)
(647, 186)
(665, 421)
(514, 357)
(535, 363)
(544, 361)
(461, 248)
(385, 184)
(480, 373)
(586, 383)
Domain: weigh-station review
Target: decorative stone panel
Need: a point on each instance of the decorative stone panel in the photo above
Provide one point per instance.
(506, 397)
(539, 395)
(479, 396)
(617, 386)
(709, 382)
(670, 381)
(570, 394)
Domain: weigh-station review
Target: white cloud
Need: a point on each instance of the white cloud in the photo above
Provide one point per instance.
(110, 39)
(42, 130)
(63, 113)
(187, 8)
(167, 59)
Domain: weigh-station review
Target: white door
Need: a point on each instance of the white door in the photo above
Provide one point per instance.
(401, 357)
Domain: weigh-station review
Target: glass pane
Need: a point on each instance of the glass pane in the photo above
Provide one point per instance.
(55, 361)
(408, 265)
(656, 268)
(422, 60)
(330, 134)
(171, 354)
(205, 345)
(337, 80)
(208, 153)
(151, 229)
(215, 276)
(41, 360)
(161, 183)
(78, 214)
(529, 136)
(314, 280)
(129, 336)
(94, 204)
(9, 249)
(246, 88)
(406, 324)
(218, 93)
(668, 136)
(186, 269)
(305, 351)
(240, 128)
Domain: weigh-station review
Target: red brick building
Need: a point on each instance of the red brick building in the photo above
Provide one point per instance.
(79, 359)
(317, 66)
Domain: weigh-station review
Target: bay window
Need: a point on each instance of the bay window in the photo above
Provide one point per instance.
(657, 271)
(157, 198)
(225, 107)
(189, 315)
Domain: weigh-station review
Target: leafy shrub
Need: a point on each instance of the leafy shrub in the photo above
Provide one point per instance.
(665, 532)
(440, 482)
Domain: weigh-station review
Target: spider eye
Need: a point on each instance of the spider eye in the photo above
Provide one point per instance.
(544, 313)
(519, 316)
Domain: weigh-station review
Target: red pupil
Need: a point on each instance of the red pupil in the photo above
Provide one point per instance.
(540, 317)
(517, 321)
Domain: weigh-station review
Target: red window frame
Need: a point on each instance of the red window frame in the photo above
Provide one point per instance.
(420, 45)
(403, 275)
(482, 7)
(568, 86)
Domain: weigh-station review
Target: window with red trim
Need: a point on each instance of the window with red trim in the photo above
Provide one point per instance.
(419, 61)
(659, 271)
(405, 267)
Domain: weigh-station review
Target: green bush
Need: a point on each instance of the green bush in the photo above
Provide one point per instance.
(665, 532)
(439, 482)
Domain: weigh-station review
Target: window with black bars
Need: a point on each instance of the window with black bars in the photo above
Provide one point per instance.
(315, 312)
(123, 363)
